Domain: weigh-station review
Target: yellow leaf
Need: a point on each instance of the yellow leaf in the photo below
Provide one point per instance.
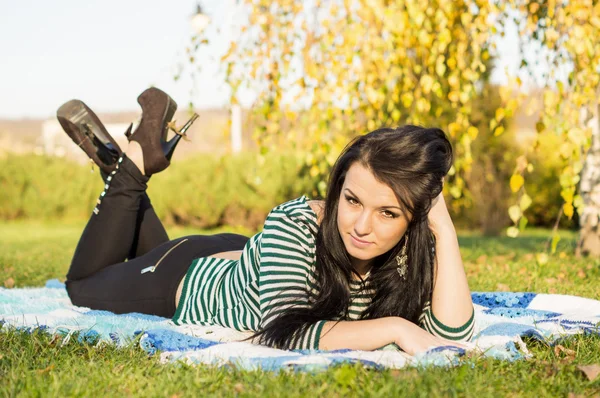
(427, 83)
(371, 124)
(568, 209)
(578, 202)
(568, 194)
(314, 171)
(541, 258)
(500, 114)
(440, 69)
(499, 130)
(516, 182)
(514, 212)
(512, 232)
(453, 129)
(473, 132)
(464, 97)
(455, 192)
(407, 99)
(423, 105)
(452, 63)
(453, 81)
(525, 202)
(555, 240)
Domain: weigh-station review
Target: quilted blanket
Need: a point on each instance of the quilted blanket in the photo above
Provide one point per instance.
(501, 320)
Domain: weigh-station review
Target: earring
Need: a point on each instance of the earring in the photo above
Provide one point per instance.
(402, 260)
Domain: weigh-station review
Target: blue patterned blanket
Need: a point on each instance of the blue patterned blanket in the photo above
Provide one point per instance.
(501, 320)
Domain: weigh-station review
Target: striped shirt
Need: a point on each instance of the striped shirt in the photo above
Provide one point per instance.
(275, 271)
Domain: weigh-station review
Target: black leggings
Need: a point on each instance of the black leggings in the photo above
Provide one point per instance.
(125, 226)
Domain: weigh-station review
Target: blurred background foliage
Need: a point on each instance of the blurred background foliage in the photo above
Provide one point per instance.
(330, 70)
(209, 191)
(325, 71)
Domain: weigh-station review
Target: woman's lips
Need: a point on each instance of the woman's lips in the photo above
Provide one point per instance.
(359, 243)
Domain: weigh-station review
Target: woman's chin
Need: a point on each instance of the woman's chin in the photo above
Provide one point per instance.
(358, 253)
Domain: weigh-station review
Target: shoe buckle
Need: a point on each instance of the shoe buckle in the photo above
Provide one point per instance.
(172, 125)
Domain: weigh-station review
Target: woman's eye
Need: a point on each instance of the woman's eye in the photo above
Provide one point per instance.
(352, 201)
(389, 214)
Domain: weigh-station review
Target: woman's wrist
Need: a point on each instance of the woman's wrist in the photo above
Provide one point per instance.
(442, 228)
(399, 328)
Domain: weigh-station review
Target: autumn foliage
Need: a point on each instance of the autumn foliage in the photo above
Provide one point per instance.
(323, 71)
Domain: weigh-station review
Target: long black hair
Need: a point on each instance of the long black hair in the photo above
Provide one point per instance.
(412, 161)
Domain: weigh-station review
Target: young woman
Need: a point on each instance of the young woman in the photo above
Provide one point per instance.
(376, 262)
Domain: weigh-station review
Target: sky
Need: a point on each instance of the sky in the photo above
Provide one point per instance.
(106, 52)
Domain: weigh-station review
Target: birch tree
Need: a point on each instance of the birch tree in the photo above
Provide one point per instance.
(589, 239)
(567, 66)
(330, 69)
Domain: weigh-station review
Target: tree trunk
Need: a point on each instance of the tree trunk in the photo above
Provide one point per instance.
(589, 188)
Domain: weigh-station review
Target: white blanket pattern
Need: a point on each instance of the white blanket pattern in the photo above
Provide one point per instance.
(501, 319)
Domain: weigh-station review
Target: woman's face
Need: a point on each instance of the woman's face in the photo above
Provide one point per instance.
(369, 217)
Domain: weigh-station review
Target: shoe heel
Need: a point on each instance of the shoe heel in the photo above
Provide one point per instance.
(128, 131)
(157, 110)
(169, 146)
(87, 131)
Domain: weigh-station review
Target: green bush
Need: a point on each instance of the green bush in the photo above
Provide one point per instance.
(42, 187)
(204, 191)
(488, 196)
(210, 191)
(543, 185)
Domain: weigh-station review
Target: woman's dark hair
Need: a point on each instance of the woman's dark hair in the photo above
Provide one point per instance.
(412, 161)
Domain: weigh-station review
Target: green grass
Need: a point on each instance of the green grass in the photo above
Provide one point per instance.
(35, 365)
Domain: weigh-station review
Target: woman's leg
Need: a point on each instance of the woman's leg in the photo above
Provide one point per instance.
(148, 284)
(149, 231)
(99, 278)
(109, 235)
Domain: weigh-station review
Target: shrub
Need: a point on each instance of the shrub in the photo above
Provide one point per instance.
(488, 196)
(210, 191)
(204, 191)
(42, 187)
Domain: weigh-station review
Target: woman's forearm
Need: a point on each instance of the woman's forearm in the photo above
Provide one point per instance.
(371, 334)
(451, 300)
(365, 335)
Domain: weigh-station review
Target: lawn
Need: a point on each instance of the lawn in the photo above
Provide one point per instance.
(31, 253)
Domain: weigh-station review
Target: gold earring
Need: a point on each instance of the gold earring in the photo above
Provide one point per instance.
(402, 260)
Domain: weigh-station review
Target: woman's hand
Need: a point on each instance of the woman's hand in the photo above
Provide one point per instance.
(438, 215)
(413, 339)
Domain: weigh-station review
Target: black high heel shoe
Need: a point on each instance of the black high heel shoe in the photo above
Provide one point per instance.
(169, 146)
(157, 111)
(87, 131)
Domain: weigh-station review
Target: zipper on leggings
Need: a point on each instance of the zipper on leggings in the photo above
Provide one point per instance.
(152, 268)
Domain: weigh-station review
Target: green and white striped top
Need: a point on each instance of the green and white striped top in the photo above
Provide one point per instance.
(275, 271)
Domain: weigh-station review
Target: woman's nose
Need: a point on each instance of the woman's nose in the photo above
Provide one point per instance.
(362, 225)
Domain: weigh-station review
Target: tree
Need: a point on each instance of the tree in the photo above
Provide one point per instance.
(567, 33)
(589, 239)
(334, 69)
